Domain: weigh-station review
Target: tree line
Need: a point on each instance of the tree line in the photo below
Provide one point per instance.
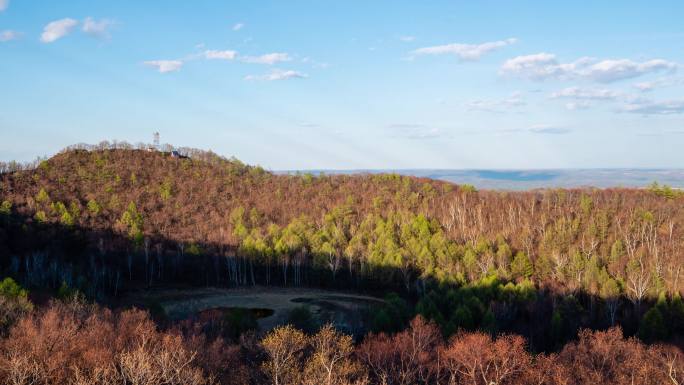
(71, 341)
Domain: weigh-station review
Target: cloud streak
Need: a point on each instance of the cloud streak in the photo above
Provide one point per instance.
(221, 55)
(658, 83)
(9, 35)
(546, 129)
(3, 5)
(277, 75)
(586, 94)
(269, 58)
(97, 28)
(57, 29)
(465, 52)
(650, 107)
(543, 66)
(164, 66)
(499, 106)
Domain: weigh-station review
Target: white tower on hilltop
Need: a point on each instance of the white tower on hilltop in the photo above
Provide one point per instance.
(156, 141)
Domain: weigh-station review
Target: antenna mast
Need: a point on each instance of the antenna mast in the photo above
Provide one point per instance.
(156, 140)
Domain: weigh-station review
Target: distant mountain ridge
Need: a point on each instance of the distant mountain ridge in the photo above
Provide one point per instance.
(524, 179)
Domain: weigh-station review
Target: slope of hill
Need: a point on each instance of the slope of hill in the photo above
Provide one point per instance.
(104, 220)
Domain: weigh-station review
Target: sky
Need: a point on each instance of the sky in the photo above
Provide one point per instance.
(321, 84)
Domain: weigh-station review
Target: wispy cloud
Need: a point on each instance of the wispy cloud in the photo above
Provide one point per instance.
(97, 28)
(238, 26)
(581, 93)
(164, 66)
(269, 58)
(579, 105)
(544, 66)
(467, 52)
(658, 83)
(57, 29)
(221, 55)
(497, 105)
(3, 5)
(407, 39)
(277, 75)
(650, 107)
(9, 35)
(547, 129)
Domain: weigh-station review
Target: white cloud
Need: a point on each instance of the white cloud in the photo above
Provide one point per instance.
(497, 105)
(277, 75)
(543, 66)
(580, 105)
(658, 83)
(97, 28)
(164, 66)
(238, 26)
(3, 5)
(464, 51)
(649, 107)
(269, 58)
(611, 70)
(548, 129)
(407, 39)
(222, 55)
(57, 29)
(586, 94)
(8, 35)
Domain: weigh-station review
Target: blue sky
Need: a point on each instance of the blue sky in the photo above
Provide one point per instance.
(351, 84)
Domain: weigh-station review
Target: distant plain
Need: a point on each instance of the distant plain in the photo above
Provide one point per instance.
(533, 179)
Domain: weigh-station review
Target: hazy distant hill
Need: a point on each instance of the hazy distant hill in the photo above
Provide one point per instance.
(533, 179)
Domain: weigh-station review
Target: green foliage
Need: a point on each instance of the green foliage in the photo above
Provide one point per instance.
(94, 208)
(165, 190)
(677, 314)
(9, 289)
(40, 216)
(307, 178)
(133, 221)
(42, 196)
(194, 249)
(665, 191)
(67, 293)
(392, 317)
(6, 208)
(610, 288)
(521, 267)
(652, 326)
(468, 188)
(14, 304)
(586, 204)
(66, 219)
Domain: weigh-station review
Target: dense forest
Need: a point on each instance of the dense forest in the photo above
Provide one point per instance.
(73, 342)
(470, 265)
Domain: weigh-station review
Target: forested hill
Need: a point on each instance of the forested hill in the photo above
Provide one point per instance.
(102, 219)
(207, 204)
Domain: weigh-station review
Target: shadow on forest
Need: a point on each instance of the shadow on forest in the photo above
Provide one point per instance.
(103, 263)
